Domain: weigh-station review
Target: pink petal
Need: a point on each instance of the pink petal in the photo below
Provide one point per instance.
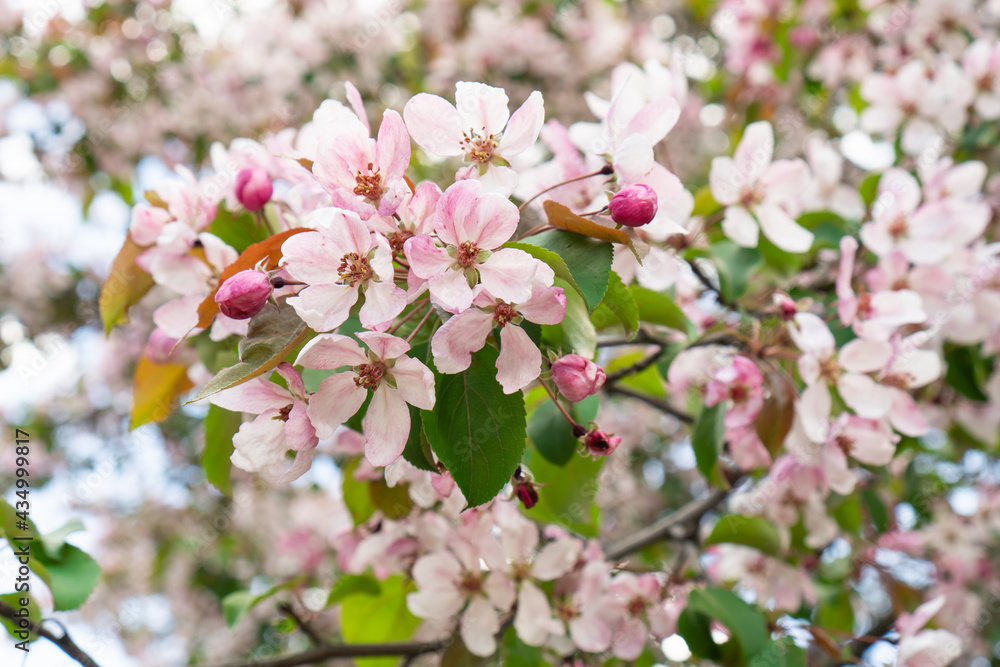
(813, 409)
(437, 570)
(781, 230)
(292, 379)
(507, 274)
(630, 638)
(451, 291)
(479, 625)
(865, 396)
(256, 396)
(383, 302)
(755, 150)
(354, 99)
(415, 382)
(906, 417)
(483, 108)
(785, 180)
(497, 180)
(655, 119)
(331, 351)
(349, 234)
(310, 259)
(336, 401)
(324, 307)
(633, 159)
(499, 590)
(835, 470)
(740, 227)
(590, 633)
(435, 602)
(520, 360)
(456, 340)
(811, 334)
(864, 356)
(299, 431)
(179, 316)
(260, 444)
(533, 616)
(384, 346)
(556, 559)
(425, 258)
(545, 307)
(393, 146)
(725, 181)
(387, 426)
(523, 127)
(434, 124)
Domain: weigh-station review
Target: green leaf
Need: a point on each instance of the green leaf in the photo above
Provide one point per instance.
(869, 188)
(617, 306)
(552, 435)
(848, 514)
(394, 501)
(577, 329)
(963, 373)
(366, 619)
(356, 494)
(477, 430)
(272, 335)
(876, 509)
(786, 263)
(648, 380)
(745, 622)
(418, 450)
(834, 609)
(704, 202)
(236, 605)
(155, 390)
(240, 232)
(734, 265)
(782, 653)
(72, 576)
(54, 541)
(696, 629)
(568, 495)
(708, 437)
(659, 308)
(586, 261)
(350, 584)
(220, 427)
(751, 531)
(515, 653)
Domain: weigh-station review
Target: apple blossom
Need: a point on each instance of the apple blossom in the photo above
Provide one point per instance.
(253, 188)
(244, 294)
(577, 377)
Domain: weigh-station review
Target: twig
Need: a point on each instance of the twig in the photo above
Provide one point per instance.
(307, 629)
(700, 274)
(419, 325)
(686, 517)
(651, 400)
(637, 367)
(405, 649)
(65, 643)
(604, 171)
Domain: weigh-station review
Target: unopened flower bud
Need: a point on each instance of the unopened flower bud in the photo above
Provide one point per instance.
(253, 188)
(577, 377)
(525, 488)
(244, 294)
(633, 206)
(600, 443)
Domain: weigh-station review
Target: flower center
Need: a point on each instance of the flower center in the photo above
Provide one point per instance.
(503, 314)
(865, 309)
(355, 269)
(739, 393)
(566, 610)
(369, 375)
(283, 413)
(479, 147)
(396, 241)
(468, 252)
(898, 227)
(636, 606)
(845, 443)
(470, 583)
(898, 380)
(369, 185)
(751, 197)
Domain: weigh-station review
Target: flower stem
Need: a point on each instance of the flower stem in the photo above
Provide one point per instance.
(419, 325)
(606, 170)
(555, 399)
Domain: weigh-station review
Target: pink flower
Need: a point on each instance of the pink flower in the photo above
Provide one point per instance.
(472, 224)
(393, 378)
(244, 294)
(981, 63)
(742, 383)
(577, 377)
(339, 262)
(760, 195)
(929, 648)
(588, 616)
(600, 443)
(362, 174)
(869, 441)
(639, 598)
(520, 360)
(479, 127)
(450, 580)
(253, 188)
(633, 206)
(282, 423)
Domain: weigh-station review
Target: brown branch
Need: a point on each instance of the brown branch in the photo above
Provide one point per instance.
(678, 525)
(65, 643)
(287, 609)
(323, 653)
(637, 367)
(658, 403)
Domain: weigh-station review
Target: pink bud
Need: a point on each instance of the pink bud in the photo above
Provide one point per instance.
(633, 206)
(577, 377)
(160, 346)
(243, 295)
(600, 443)
(253, 188)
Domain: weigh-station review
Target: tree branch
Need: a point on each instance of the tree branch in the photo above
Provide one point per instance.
(323, 653)
(65, 643)
(651, 400)
(637, 367)
(685, 518)
(287, 609)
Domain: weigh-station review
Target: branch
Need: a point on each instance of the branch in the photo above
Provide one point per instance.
(67, 645)
(307, 629)
(686, 517)
(407, 649)
(637, 367)
(651, 400)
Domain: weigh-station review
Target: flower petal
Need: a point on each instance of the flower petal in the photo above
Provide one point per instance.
(393, 146)
(330, 351)
(781, 230)
(520, 360)
(523, 127)
(434, 124)
(387, 426)
(740, 227)
(336, 401)
(415, 382)
(483, 108)
(507, 274)
(456, 340)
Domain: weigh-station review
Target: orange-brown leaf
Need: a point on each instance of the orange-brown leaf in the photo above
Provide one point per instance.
(126, 284)
(268, 250)
(155, 390)
(563, 218)
(776, 415)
